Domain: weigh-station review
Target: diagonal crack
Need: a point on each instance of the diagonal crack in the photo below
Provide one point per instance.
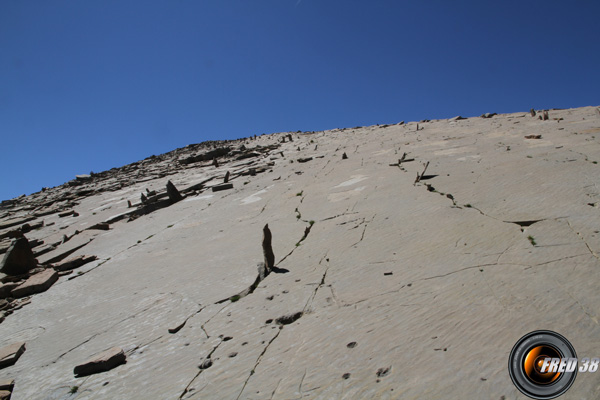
(584, 241)
(199, 372)
(260, 356)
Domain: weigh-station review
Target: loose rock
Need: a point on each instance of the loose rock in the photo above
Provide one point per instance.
(10, 354)
(18, 259)
(36, 284)
(104, 361)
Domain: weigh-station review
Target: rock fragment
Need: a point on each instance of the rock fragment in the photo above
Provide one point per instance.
(10, 354)
(173, 193)
(533, 137)
(104, 361)
(289, 318)
(224, 186)
(226, 179)
(73, 263)
(268, 249)
(304, 159)
(102, 226)
(344, 156)
(37, 283)
(7, 384)
(18, 258)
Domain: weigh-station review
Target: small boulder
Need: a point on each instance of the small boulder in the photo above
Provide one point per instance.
(104, 361)
(18, 258)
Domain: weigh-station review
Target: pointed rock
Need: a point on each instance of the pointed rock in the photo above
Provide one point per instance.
(268, 249)
(18, 258)
(344, 156)
(226, 177)
(173, 193)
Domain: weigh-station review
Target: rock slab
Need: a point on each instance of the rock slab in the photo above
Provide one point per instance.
(10, 354)
(36, 284)
(104, 361)
(73, 263)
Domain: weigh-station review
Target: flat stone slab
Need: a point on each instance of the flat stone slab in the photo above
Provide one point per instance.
(36, 284)
(74, 262)
(10, 354)
(102, 362)
(5, 394)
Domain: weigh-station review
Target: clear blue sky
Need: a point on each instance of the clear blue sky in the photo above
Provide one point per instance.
(90, 85)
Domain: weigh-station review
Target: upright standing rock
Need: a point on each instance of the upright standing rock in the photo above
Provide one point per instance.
(215, 162)
(344, 156)
(226, 177)
(173, 193)
(532, 112)
(267, 249)
(18, 259)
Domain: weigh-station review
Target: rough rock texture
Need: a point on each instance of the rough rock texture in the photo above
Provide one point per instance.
(18, 258)
(431, 281)
(102, 362)
(37, 283)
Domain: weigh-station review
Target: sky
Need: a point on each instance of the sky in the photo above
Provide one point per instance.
(91, 85)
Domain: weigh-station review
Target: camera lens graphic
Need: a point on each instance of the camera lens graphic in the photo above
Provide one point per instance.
(526, 361)
(534, 361)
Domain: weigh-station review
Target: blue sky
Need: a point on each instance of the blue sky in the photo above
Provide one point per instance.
(90, 85)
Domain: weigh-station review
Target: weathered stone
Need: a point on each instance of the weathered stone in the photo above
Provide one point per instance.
(226, 179)
(7, 384)
(10, 354)
(224, 186)
(533, 137)
(344, 156)
(104, 361)
(15, 221)
(5, 394)
(488, 115)
(457, 118)
(36, 284)
(6, 289)
(267, 248)
(73, 263)
(173, 193)
(83, 177)
(289, 318)
(102, 226)
(18, 259)
(66, 213)
(304, 159)
(532, 112)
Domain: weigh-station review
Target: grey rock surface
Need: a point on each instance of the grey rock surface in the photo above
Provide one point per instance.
(433, 280)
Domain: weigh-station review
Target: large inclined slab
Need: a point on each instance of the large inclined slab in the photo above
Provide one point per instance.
(434, 280)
